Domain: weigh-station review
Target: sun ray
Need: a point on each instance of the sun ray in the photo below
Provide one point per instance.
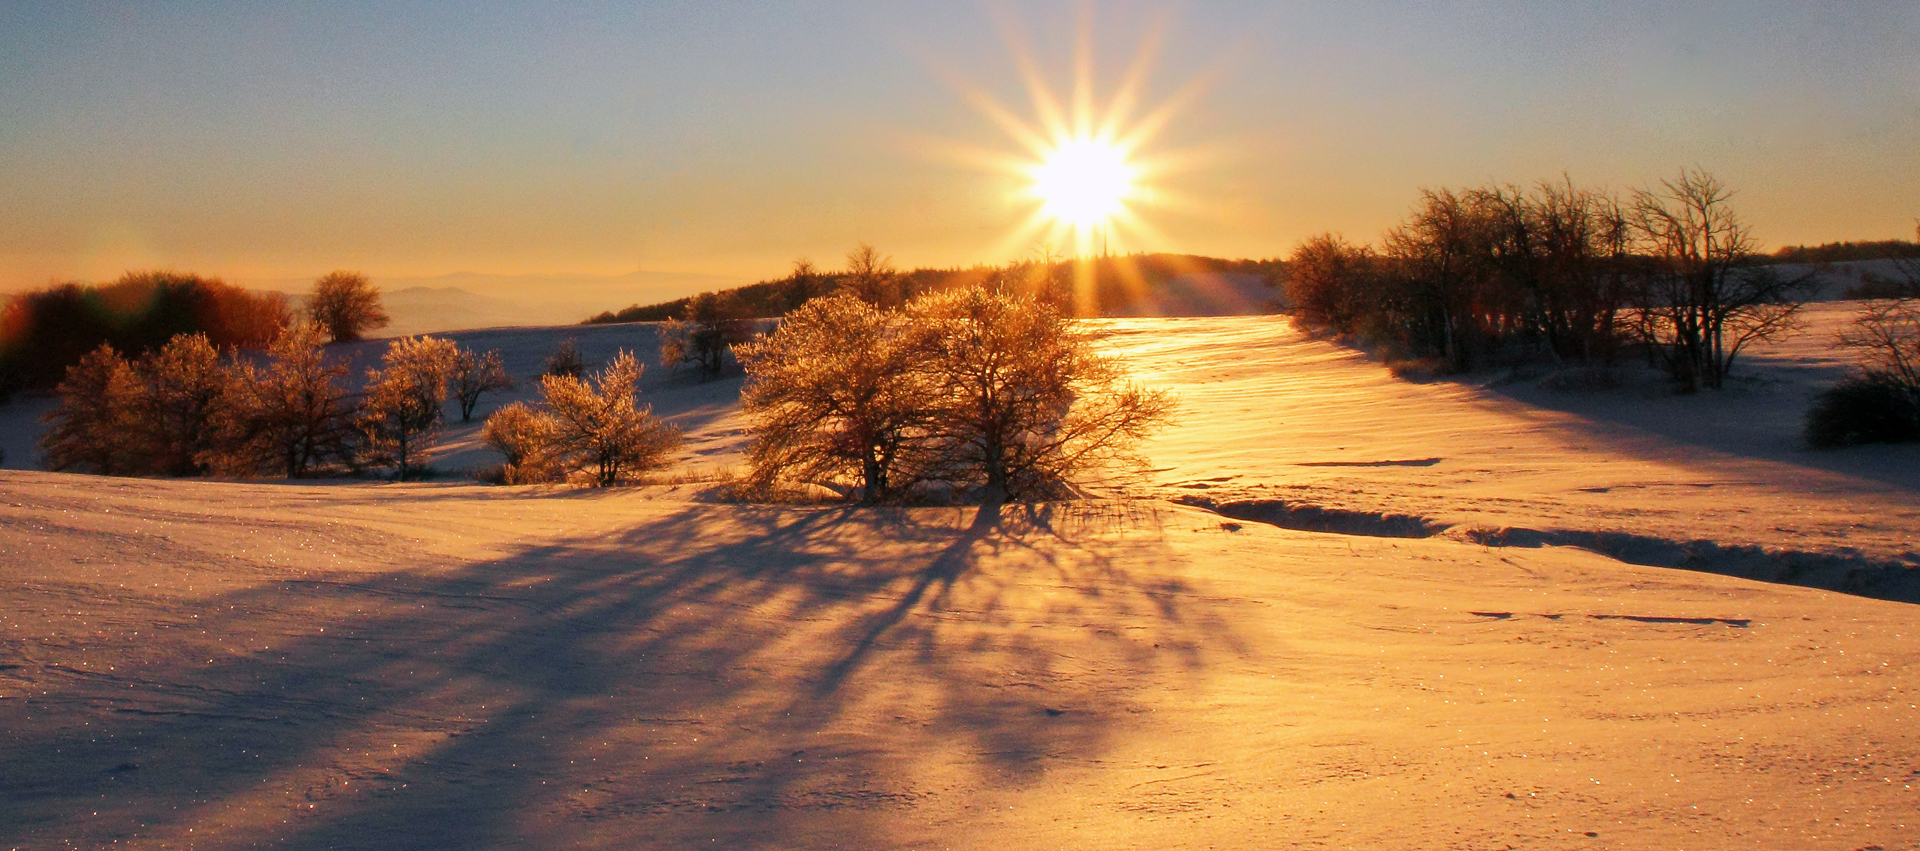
(1086, 155)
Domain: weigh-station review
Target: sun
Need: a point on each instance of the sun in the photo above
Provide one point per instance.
(1088, 170)
(1088, 166)
(1083, 182)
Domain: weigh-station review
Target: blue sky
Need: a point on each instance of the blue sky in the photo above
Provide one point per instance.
(280, 140)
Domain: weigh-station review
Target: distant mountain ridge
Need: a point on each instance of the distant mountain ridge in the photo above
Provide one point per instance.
(467, 300)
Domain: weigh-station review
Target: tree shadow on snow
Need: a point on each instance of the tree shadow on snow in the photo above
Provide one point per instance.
(751, 676)
(1757, 420)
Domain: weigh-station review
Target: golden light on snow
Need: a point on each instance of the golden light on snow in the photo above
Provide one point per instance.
(1083, 182)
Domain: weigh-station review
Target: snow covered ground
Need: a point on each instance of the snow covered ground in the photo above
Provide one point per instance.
(444, 664)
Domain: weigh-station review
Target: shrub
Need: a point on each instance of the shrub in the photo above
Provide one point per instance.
(524, 437)
(401, 414)
(346, 306)
(1329, 281)
(476, 374)
(1863, 409)
(1880, 403)
(597, 424)
(565, 362)
(1885, 337)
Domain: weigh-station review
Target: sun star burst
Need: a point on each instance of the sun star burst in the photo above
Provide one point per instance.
(1083, 182)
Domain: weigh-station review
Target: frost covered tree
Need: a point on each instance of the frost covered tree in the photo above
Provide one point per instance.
(993, 391)
(290, 417)
(347, 306)
(1024, 404)
(95, 428)
(597, 424)
(185, 386)
(475, 375)
(400, 415)
(154, 416)
(838, 397)
(524, 437)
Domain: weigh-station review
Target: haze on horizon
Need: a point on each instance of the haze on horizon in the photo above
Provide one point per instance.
(269, 142)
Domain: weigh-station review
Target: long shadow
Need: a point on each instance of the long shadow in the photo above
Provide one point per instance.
(752, 676)
(1743, 421)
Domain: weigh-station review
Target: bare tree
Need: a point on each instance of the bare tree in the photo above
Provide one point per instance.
(1329, 283)
(1441, 257)
(870, 277)
(475, 375)
(1880, 401)
(524, 437)
(1705, 298)
(566, 361)
(401, 413)
(1584, 287)
(347, 306)
(95, 427)
(1025, 405)
(837, 396)
(289, 418)
(711, 329)
(1885, 335)
(596, 424)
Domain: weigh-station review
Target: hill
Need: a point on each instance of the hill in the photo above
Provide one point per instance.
(1509, 614)
(1128, 285)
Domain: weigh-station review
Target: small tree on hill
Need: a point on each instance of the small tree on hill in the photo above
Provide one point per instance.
(711, 329)
(476, 374)
(597, 424)
(1025, 404)
(870, 277)
(289, 418)
(401, 414)
(838, 397)
(95, 427)
(565, 361)
(185, 388)
(347, 306)
(802, 286)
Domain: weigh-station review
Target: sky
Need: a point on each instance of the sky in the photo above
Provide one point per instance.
(276, 141)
